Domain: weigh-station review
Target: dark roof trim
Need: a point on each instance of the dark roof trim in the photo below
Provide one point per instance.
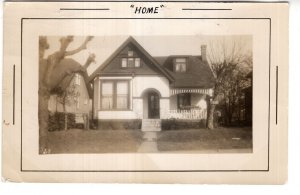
(135, 43)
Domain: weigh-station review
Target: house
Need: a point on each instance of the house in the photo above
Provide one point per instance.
(134, 85)
(78, 100)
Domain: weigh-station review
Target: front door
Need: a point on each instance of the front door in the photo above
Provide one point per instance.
(153, 105)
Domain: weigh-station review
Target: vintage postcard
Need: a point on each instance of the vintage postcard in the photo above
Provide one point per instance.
(145, 92)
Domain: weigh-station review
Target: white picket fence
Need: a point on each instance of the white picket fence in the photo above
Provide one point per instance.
(188, 114)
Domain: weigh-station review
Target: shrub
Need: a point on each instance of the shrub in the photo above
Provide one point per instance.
(119, 124)
(57, 121)
(178, 124)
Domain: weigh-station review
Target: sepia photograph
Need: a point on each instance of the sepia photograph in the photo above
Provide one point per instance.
(189, 92)
(145, 94)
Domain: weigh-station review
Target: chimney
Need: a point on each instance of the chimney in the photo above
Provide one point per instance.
(203, 53)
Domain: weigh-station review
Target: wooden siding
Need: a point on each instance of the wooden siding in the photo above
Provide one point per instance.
(146, 67)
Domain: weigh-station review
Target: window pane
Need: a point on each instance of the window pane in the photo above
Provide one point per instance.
(137, 62)
(177, 68)
(124, 62)
(107, 102)
(130, 53)
(107, 96)
(122, 95)
(183, 68)
(130, 62)
(107, 88)
(122, 88)
(184, 100)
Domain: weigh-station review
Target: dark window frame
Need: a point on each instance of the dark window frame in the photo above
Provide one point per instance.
(127, 59)
(175, 64)
(189, 101)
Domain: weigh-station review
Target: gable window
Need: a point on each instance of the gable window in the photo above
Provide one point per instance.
(115, 95)
(131, 62)
(137, 62)
(184, 101)
(180, 65)
(124, 62)
(130, 53)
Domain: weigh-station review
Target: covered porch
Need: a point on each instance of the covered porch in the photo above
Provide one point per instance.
(189, 104)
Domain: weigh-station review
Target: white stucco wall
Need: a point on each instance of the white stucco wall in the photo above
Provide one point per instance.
(138, 103)
(142, 83)
(164, 108)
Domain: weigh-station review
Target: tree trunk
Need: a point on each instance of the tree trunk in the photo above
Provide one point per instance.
(66, 121)
(66, 115)
(43, 113)
(210, 118)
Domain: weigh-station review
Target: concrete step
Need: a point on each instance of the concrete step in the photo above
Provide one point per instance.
(151, 125)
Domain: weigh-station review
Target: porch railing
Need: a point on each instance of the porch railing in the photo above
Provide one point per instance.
(188, 114)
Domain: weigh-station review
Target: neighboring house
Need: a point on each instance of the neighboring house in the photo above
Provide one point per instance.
(81, 104)
(132, 84)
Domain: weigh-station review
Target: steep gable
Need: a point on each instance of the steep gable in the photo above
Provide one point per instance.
(148, 65)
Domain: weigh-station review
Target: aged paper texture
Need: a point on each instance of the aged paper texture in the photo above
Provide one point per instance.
(145, 92)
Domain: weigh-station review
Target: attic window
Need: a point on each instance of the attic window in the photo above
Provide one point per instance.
(131, 62)
(180, 65)
(130, 53)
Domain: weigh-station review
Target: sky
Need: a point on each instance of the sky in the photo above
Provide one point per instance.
(104, 46)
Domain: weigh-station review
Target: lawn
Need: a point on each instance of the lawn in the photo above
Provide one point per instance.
(125, 141)
(217, 140)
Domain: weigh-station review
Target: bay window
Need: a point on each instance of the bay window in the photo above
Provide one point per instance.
(115, 95)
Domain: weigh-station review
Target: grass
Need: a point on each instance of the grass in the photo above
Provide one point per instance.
(94, 141)
(125, 141)
(205, 139)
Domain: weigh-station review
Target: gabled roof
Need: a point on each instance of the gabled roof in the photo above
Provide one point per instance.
(67, 80)
(198, 73)
(131, 40)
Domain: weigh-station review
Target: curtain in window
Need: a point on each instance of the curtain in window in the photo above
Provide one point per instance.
(122, 95)
(107, 95)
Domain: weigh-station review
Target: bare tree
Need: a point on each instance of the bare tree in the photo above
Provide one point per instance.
(66, 98)
(52, 71)
(227, 60)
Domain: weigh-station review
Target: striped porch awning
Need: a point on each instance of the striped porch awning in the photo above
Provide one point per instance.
(187, 90)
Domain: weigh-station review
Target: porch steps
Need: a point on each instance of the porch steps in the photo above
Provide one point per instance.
(151, 125)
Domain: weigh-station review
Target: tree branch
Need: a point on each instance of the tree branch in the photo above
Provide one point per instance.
(80, 48)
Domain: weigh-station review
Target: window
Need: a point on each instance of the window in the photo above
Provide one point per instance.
(124, 62)
(137, 62)
(130, 53)
(115, 95)
(77, 79)
(130, 62)
(86, 101)
(184, 101)
(180, 65)
(122, 95)
(107, 95)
